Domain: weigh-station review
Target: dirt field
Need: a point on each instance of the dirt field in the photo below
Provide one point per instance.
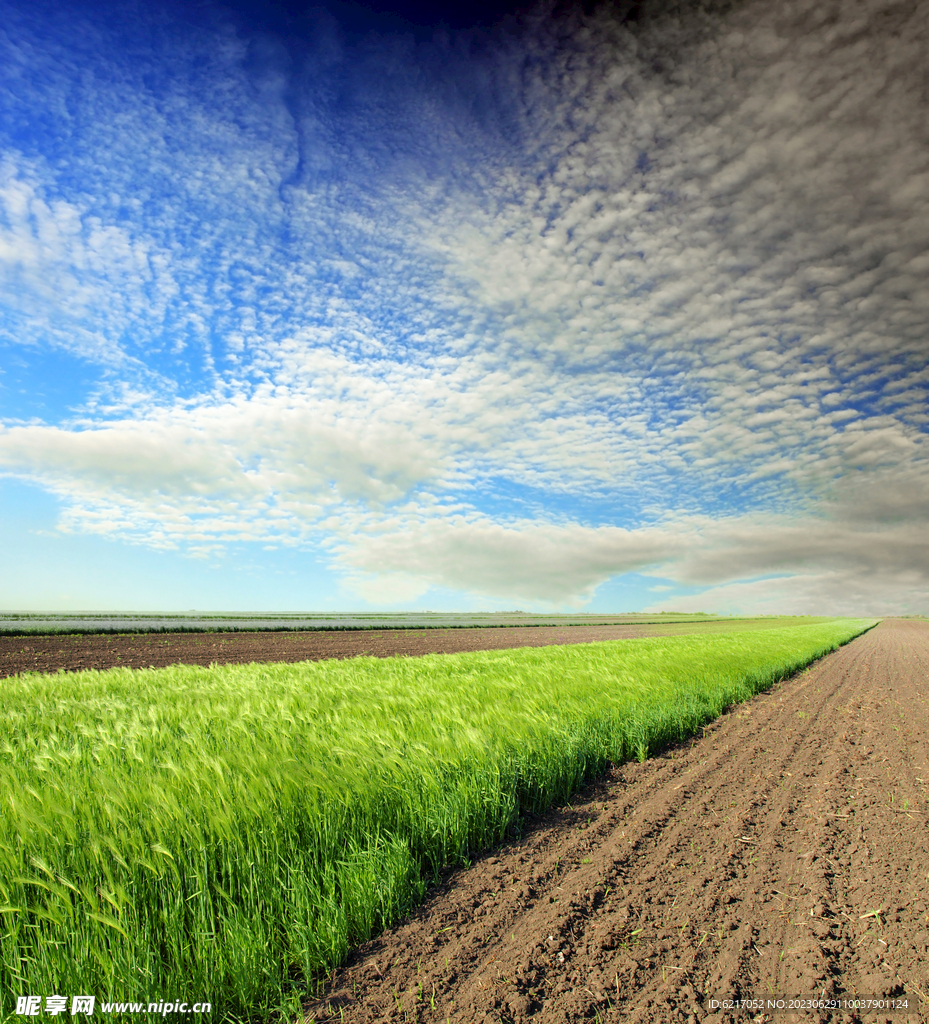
(156, 650)
(784, 852)
(144, 650)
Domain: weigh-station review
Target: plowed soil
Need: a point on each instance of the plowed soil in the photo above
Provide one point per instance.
(784, 852)
(156, 650)
(36, 653)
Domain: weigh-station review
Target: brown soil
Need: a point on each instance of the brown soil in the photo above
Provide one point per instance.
(72, 652)
(785, 852)
(155, 650)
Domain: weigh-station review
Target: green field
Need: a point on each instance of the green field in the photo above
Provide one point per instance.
(227, 834)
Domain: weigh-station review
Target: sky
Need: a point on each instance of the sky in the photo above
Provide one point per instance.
(613, 307)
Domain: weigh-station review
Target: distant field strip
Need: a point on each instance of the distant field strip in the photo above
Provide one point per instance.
(232, 831)
(33, 624)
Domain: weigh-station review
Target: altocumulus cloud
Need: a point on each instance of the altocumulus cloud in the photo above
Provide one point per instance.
(509, 311)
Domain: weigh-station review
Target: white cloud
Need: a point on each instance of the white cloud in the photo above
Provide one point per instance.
(829, 593)
(58, 263)
(630, 299)
(867, 551)
(525, 561)
(727, 234)
(245, 469)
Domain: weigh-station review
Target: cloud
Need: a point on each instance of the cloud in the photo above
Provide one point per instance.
(865, 550)
(751, 547)
(58, 263)
(829, 593)
(272, 464)
(710, 232)
(511, 312)
(526, 561)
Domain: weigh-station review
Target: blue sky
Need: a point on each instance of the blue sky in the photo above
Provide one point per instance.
(606, 308)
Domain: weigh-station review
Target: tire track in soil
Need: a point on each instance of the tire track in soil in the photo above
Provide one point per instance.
(785, 851)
